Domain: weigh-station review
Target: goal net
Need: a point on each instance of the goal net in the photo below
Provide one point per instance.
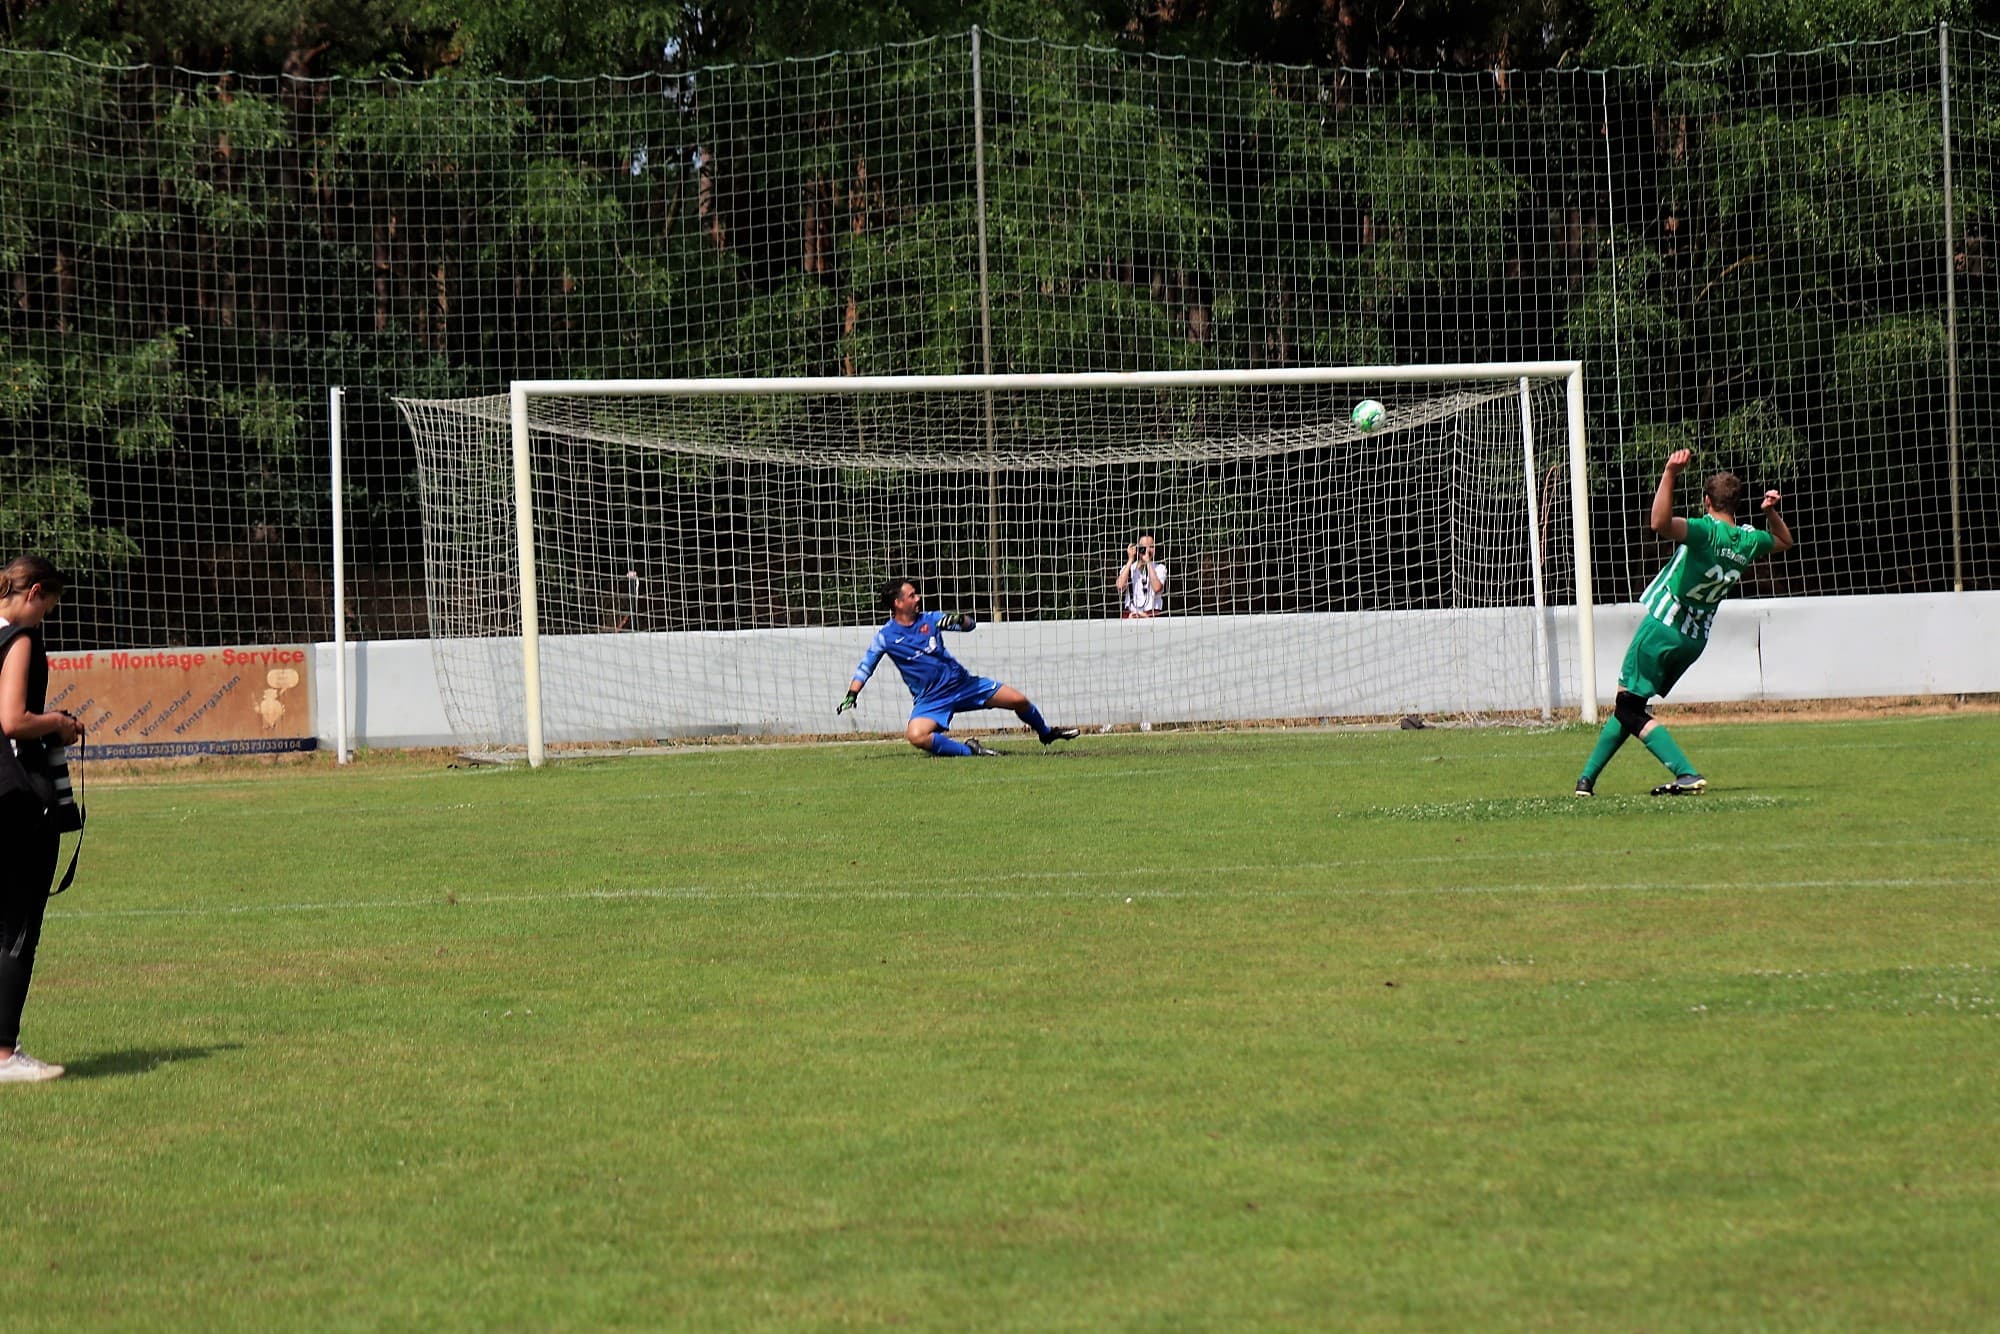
(663, 559)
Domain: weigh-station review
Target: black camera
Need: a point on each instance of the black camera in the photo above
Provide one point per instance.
(47, 764)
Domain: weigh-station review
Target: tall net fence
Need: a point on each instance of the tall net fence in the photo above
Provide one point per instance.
(1758, 259)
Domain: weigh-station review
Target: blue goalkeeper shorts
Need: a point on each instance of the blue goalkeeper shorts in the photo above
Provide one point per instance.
(972, 693)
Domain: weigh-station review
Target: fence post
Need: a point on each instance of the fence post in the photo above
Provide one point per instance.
(1950, 314)
(1611, 245)
(335, 399)
(985, 328)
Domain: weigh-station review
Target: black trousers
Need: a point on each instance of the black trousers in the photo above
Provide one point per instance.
(27, 867)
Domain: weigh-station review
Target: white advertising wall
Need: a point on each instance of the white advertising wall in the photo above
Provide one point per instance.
(1793, 648)
(1830, 648)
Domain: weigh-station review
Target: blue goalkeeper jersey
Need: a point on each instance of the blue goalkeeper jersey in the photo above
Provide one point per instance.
(919, 653)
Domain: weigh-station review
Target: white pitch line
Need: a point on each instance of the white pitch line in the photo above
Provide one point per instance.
(1137, 764)
(980, 889)
(953, 886)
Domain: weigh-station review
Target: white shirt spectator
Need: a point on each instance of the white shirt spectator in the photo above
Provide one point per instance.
(1142, 581)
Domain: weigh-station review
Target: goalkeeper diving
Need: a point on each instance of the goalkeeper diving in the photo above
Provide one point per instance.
(940, 687)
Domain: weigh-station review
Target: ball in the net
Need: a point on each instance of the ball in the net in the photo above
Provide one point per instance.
(1367, 414)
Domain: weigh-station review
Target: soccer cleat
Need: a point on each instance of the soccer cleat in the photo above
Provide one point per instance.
(1586, 787)
(1687, 785)
(21, 1068)
(978, 747)
(1055, 734)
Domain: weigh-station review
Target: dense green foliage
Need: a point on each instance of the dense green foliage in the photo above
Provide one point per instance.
(1360, 1031)
(1748, 253)
(526, 38)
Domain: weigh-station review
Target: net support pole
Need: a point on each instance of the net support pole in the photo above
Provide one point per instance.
(335, 399)
(524, 538)
(1538, 641)
(1611, 244)
(1579, 506)
(1442, 373)
(985, 327)
(1950, 314)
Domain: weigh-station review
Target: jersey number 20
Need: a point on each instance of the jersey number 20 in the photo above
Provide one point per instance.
(1715, 586)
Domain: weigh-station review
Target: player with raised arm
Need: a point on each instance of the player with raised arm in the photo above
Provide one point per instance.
(1679, 607)
(939, 685)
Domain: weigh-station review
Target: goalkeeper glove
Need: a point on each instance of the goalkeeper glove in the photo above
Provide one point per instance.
(846, 703)
(960, 620)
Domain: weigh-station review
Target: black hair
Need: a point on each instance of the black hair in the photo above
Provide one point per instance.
(24, 572)
(886, 595)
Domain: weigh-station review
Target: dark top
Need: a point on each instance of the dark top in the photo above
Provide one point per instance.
(14, 778)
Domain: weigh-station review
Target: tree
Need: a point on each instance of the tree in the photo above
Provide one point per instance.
(190, 259)
(522, 38)
(1657, 31)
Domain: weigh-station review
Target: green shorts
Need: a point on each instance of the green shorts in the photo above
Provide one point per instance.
(1657, 658)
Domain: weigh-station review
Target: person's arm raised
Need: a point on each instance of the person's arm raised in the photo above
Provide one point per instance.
(1775, 522)
(1663, 520)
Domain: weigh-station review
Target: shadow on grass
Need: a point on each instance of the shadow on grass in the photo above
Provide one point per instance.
(138, 1060)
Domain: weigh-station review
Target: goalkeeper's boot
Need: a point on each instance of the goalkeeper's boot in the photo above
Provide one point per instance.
(1686, 785)
(1055, 734)
(978, 747)
(1586, 787)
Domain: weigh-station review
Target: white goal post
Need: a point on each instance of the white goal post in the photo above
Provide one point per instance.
(713, 546)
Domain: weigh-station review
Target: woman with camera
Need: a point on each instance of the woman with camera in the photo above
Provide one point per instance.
(1142, 581)
(29, 589)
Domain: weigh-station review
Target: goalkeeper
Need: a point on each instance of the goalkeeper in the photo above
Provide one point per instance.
(939, 685)
(1679, 607)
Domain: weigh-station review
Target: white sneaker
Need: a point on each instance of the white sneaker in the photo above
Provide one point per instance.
(21, 1068)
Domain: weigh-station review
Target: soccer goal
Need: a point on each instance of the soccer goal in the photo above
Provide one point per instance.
(643, 559)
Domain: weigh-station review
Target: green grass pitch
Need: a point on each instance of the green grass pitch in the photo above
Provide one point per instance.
(1360, 1030)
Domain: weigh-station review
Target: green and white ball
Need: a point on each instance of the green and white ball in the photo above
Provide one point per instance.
(1367, 414)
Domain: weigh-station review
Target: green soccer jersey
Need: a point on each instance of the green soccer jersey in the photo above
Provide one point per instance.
(1702, 573)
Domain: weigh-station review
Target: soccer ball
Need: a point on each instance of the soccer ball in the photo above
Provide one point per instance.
(1367, 414)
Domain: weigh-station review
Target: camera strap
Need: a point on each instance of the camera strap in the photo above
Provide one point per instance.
(76, 787)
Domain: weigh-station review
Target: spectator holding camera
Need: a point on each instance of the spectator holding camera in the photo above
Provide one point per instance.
(1142, 581)
(29, 589)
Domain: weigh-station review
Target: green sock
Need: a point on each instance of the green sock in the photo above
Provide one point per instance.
(1608, 742)
(1663, 747)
